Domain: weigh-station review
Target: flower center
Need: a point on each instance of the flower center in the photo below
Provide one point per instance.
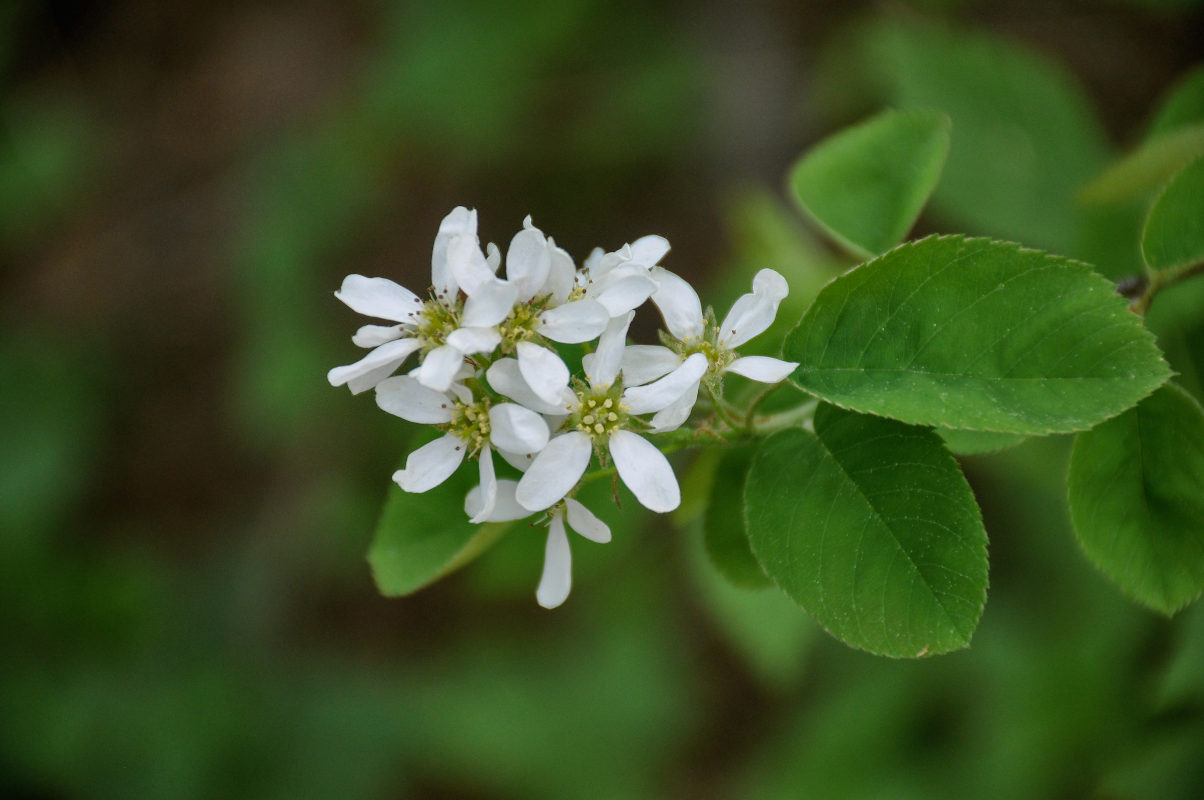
(522, 323)
(599, 413)
(718, 356)
(471, 423)
(435, 322)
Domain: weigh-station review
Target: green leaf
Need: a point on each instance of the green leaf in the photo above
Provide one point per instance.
(1174, 230)
(871, 527)
(1147, 167)
(423, 537)
(975, 334)
(972, 443)
(1025, 135)
(723, 525)
(1137, 499)
(1183, 105)
(866, 185)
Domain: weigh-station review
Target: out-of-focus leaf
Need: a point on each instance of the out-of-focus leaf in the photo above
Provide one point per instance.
(871, 527)
(1147, 167)
(1183, 105)
(723, 524)
(1174, 230)
(866, 185)
(970, 443)
(975, 334)
(1025, 137)
(1137, 499)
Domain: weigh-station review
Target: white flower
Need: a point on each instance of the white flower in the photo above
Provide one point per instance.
(472, 427)
(444, 328)
(599, 417)
(692, 334)
(557, 576)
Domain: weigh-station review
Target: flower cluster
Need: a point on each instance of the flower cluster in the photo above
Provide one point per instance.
(488, 376)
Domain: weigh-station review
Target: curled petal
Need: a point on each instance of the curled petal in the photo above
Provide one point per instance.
(572, 323)
(505, 507)
(474, 340)
(603, 366)
(678, 304)
(439, 368)
(379, 297)
(488, 487)
(752, 313)
(645, 471)
(647, 362)
(543, 371)
(621, 296)
(582, 520)
(493, 257)
(555, 471)
(379, 363)
(561, 273)
(557, 577)
(488, 303)
(431, 464)
(517, 429)
(407, 398)
(762, 368)
(528, 262)
(506, 378)
(376, 335)
(461, 221)
(649, 250)
(467, 262)
(660, 394)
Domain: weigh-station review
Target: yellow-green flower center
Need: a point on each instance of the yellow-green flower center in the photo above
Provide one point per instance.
(598, 414)
(471, 423)
(435, 322)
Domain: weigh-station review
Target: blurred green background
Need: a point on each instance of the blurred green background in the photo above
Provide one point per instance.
(185, 503)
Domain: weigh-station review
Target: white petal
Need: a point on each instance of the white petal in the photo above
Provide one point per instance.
(505, 378)
(649, 250)
(459, 222)
(624, 295)
(557, 577)
(660, 394)
(488, 487)
(382, 361)
(528, 262)
(645, 471)
(493, 257)
(407, 398)
(603, 367)
(376, 335)
(467, 262)
(474, 340)
(364, 382)
(582, 520)
(543, 371)
(678, 304)
(561, 273)
(572, 323)
(439, 368)
(379, 297)
(752, 313)
(488, 303)
(505, 507)
(520, 461)
(555, 471)
(647, 362)
(517, 429)
(673, 415)
(431, 464)
(762, 368)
